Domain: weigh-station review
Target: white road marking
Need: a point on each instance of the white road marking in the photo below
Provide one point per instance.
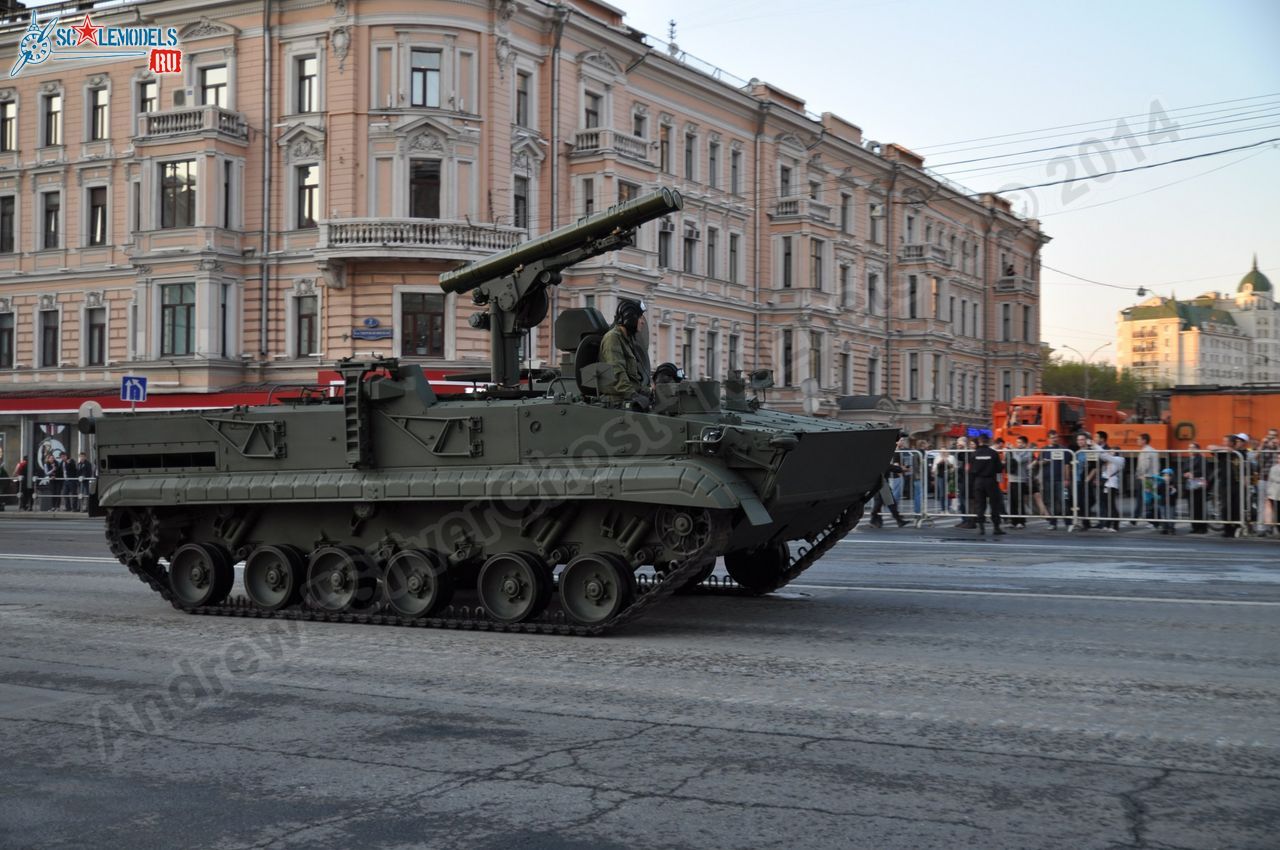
(95, 559)
(1076, 596)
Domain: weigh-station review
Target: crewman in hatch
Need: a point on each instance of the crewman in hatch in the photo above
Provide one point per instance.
(623, 346)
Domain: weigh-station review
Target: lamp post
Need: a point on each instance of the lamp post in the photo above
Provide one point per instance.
(1086, 362)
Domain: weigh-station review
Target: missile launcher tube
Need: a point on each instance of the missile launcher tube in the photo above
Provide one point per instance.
(625, 216)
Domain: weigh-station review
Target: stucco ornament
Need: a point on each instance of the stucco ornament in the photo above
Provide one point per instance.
(340, 41)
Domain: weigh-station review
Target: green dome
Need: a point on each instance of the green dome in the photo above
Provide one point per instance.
(1255, 279)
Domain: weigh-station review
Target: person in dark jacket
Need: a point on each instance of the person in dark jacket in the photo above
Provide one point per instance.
(984, 470)
(1197, 481)
(70, 484)
(84, 471)
(23, 474)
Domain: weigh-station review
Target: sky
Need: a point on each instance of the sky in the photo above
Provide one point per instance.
(933, 74)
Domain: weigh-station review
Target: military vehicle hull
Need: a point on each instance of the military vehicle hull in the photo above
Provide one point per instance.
(524, 509)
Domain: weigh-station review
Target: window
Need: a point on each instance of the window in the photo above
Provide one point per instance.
(421, 324)
(308, 177)
(1006, 384)
(686, 350)
(49, 339)
(178, 194)
(735, 172)
(734, 251)
(846, 374)
(95, 352)
(224, 327)
(690, 250)
(1006, 331)
(592, 104)
(846, 213)
(974, 328)
(1026, 323)
(787, 376)
(664, 249)
(52, 129)
(964, 315)
(177, 319)
(228, 174)
(713, 356)
(784, 181)
(734, 345)
(873, 375)
(135, 201)
(627, 191)
(97, 234)
(786, 262)
(913, 296)
(664, 148)
(424, 188)
(911, 230)
(588, 196)
(213, 86)
(51, 232)
(8, 224)
(815, 189)
(846, 287)
(524, 87)
(960, 384)
(951, 310)
(424, 77)
(307, 72)
(690, 155)
(713, 249)
(935, 384)
(99, 120)
(817, 278)
(520, 202)
(935, 296)
(6, 340)
(874, 215)
(873, 292)
(975, 396)
(639, 125)
(8, 127)
(148, 96)
(713, 165)
(815, 356)
(913, 376)
(304, 326)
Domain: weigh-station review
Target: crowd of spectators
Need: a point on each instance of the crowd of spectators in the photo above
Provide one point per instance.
(58, 482)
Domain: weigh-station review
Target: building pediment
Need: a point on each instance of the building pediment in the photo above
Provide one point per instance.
(527, 148)
(302, 142)
(599, 64)
(206, 28)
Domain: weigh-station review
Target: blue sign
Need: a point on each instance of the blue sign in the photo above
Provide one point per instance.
(372, 333)
(133, 388)
(979, 432)
(371, 322)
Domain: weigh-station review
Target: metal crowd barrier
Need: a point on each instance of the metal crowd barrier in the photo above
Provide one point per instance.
(1090, 488)
(46, 494)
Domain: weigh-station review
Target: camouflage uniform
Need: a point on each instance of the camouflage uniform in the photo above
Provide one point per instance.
(619, 350)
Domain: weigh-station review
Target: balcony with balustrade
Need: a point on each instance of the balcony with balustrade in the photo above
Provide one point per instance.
(799, 208)
(413, 238)
(1015, 284)
(600, 141)
(925, 252)
(199, 121)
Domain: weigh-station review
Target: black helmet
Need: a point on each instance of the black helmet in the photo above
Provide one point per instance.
(628, 313)
(668, 373)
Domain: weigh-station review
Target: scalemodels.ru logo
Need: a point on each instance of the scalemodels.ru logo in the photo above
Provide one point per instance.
(88, 40)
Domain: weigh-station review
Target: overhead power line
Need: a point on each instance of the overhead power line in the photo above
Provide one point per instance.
(1090, 123)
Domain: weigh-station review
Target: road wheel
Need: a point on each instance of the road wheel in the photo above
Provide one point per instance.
(200, 574)
(341, 578)
(594, 588)
(273, 576)
(417, 582)
(513, 587)
(759, 570)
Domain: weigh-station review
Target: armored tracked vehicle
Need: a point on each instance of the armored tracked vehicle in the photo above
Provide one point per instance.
(524, 507)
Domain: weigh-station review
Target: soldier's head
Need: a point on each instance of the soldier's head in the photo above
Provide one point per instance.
(629, 314)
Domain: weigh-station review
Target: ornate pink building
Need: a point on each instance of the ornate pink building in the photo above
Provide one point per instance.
(292, 195)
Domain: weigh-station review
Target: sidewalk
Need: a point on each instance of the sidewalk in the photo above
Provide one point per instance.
(1039, 530)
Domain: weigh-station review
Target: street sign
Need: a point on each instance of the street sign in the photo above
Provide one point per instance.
(133, 388)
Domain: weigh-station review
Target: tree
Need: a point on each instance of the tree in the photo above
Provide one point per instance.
(1106, 382)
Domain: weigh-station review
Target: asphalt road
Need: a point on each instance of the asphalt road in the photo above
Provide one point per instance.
(917, 689)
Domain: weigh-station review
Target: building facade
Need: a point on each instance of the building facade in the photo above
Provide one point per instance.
(1214, 338)
(291, 196)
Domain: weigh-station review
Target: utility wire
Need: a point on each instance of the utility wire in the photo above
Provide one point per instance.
(1255, 115)
(1143, 167)
(1090, 123)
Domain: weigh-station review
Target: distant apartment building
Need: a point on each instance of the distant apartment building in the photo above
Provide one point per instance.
(293, 194)
(1214, 338)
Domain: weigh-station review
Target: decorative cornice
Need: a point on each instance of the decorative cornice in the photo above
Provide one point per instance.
(206, 28)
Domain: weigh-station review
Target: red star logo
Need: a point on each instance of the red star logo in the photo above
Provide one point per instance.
(87, 32)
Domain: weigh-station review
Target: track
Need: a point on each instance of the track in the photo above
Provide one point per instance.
(650, 593)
